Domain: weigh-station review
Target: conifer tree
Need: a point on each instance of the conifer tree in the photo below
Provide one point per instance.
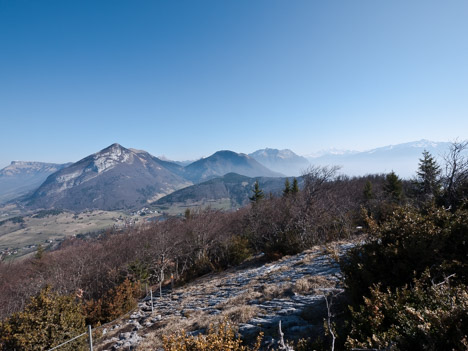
(39, 252)
(428, 181)
(368, 193)
(393, 187)
(287, 188)
(257, 193)
(295, 187)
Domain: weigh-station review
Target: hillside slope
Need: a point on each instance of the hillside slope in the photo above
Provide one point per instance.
(232, 186)
(113, 178)
(223, 162)
(255, 298)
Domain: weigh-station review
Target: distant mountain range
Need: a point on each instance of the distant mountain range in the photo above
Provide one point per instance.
(403, 159)
(223, 162)
(120, 178)
(21, 177)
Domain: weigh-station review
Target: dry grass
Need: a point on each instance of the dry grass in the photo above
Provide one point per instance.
(241, 314)
(273, 291)
(306, 260)
(241, 299)
(312, 284)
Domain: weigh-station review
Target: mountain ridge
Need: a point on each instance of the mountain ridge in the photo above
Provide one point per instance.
(223, 162)
(21, 177)
(283, 161)
(113, 178)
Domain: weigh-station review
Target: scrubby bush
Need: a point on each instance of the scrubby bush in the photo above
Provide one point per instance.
(407, 285)
(403, 246)
(113, 304)
(238, 250)
(221, 338)
(48, 320)
(425, 316)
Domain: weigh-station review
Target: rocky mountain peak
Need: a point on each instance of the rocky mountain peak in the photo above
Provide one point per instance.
(113, 178)
(110, 157)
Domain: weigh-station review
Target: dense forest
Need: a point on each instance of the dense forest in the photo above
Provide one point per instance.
(405, 286)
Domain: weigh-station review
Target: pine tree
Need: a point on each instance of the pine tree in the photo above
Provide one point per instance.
(368, 193)
(295, 187)
(39, 252)
(257, 193)
(428, 181)
(287, 188)
(393, 186)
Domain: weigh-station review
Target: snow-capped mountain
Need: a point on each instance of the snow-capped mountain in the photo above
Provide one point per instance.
(403, 158)
(283, 161)
(331, 151)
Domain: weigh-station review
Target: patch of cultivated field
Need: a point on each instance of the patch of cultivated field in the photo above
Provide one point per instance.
(33, 230)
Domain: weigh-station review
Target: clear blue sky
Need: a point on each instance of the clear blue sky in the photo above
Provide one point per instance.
(188, 78)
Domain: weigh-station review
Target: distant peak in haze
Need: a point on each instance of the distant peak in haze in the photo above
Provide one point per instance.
(269, 152)
(331, 151)
(226, 161)
(420, 144)
(284, 161)
(401, 158)
(17, 167)
(228, 153)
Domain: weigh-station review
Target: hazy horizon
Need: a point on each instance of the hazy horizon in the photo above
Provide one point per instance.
(310, 155)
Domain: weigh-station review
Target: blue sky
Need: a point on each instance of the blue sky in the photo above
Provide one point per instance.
(188, 78)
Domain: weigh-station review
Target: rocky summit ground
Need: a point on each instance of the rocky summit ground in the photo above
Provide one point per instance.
(254, 297)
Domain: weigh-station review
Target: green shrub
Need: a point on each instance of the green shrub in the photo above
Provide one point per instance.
(403, 246)
(47, 321)
(113, 304)
(238, 250)
(400, 293)
(424, 317)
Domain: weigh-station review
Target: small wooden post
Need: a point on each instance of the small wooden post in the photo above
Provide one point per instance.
(90, 338)
(151, 294)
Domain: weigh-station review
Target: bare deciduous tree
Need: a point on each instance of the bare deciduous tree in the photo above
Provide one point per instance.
(456, 174)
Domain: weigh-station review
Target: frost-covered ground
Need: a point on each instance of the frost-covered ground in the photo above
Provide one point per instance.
(254, 298)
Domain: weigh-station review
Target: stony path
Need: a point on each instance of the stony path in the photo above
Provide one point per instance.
(291, 290)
